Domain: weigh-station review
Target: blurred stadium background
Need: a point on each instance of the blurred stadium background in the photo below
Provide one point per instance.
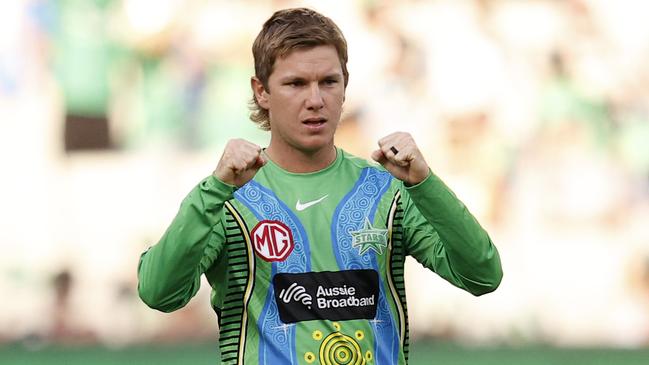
(535, 112)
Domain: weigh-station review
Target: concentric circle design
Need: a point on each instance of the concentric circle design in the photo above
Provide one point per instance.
(339, 349)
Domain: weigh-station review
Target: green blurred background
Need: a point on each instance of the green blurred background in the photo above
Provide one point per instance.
(535, 112)
(422, 354)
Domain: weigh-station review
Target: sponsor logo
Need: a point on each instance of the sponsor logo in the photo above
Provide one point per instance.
(368, 238)
(301, 206)
(296, 293)
(272, 240)
(331, 295)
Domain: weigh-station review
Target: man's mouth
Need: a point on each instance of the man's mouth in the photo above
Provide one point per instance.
(314, 122)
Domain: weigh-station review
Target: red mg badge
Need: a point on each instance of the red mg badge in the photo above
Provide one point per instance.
(273, 240)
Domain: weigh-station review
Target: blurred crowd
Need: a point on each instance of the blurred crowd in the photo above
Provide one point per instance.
(536, 113)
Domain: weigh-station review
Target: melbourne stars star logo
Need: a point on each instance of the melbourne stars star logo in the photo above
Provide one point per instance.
(369, 237)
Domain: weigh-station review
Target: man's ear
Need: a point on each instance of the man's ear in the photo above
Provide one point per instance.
(261, 95)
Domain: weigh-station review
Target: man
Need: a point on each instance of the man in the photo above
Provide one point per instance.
(302, 243)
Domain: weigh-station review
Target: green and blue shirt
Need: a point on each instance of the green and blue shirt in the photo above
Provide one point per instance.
(309, 268)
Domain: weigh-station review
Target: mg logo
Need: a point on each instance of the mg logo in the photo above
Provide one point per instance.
(273, 240)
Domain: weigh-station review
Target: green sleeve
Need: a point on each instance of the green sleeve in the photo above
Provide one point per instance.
(169, 272)
(443, 236)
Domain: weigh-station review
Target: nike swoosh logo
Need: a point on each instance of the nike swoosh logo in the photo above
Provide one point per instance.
(301, 206)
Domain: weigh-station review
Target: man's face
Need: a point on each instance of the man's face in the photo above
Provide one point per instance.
(305, 100)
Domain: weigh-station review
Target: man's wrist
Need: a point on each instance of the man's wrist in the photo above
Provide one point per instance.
(212, 182)
(418, 182)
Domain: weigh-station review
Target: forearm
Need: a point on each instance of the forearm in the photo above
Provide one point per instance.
(169, 272)
(467, 251)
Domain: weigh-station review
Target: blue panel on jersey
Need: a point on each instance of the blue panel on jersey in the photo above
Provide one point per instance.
(275, 335)
(357, 206)
(360, 203)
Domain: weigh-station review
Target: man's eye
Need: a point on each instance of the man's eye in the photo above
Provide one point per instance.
(330, 81)
(295, 83)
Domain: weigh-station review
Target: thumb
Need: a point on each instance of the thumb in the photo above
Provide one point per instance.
(379, 157)
(261, 161)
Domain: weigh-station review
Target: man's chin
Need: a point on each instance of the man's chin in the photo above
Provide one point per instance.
(314, 146)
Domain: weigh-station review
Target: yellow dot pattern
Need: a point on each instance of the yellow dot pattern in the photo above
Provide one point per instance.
(359, 335)
(336, 326)
(309, 357)
(317, 335)
(368, 355)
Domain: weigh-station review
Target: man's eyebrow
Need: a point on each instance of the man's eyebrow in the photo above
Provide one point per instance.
(331, 75)
(291, 77)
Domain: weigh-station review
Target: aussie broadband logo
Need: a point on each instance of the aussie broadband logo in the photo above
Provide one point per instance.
(332, 295)
(330, 298)
(272, 240)
(297, 293)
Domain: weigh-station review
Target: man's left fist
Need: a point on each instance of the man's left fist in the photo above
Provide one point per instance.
(399, 154)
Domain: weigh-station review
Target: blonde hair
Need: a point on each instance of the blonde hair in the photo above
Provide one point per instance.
(285, 31)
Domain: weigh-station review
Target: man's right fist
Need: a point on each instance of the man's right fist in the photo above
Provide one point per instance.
(239, 163)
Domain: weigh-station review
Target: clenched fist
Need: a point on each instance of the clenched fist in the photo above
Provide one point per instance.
(399, 154)
(239, 163)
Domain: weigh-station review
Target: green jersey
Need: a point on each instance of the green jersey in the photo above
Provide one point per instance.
(309, 268)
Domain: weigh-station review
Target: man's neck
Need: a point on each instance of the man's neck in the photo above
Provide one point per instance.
(296, 161)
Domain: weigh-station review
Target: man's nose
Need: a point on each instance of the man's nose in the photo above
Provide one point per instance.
(314, 100)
